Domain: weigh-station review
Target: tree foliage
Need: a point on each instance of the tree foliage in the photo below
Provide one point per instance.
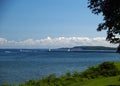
(106, 69)
(110, 10)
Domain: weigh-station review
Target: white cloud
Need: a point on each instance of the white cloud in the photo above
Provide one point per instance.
(54, 42)
(2, 41)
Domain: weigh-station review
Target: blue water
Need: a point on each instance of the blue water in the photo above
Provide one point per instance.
(18, 66)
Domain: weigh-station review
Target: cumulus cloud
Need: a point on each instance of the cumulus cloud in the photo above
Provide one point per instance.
(49, 42)
(2, 40)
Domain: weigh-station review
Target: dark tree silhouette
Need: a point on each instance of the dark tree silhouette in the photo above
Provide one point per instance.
(110, 10)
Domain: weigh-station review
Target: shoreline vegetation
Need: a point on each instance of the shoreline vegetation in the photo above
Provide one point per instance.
(104, 74)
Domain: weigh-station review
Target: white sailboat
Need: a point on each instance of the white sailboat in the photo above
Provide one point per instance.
(49, 49)
(68, 50)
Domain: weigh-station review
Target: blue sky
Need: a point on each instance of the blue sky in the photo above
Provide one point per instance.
(41, 19)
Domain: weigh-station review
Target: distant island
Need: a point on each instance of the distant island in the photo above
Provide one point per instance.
(86, 48)
(65, 49)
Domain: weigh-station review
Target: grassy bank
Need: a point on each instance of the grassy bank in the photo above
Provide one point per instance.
(105, 74)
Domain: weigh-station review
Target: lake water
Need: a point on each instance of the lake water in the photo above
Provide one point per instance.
(18, 66)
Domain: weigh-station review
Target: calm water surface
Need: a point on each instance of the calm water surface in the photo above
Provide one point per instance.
(18, 66)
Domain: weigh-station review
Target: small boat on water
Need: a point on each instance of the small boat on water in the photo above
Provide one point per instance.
(49, 50)
(68, 50)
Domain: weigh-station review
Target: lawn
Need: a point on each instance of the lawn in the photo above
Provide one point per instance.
(104, 81)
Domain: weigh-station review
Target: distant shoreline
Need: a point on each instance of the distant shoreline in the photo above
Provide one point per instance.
(75, 47)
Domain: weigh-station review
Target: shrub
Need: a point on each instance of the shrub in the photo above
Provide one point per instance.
(105, 69)
(91, 72)
(108, 69)
(76, 74)
(68, 74)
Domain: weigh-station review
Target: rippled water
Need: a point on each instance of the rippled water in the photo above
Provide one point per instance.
(18, 66)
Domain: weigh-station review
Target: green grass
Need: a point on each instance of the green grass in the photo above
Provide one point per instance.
(105, 81)
(105, 74)
(117, 64)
